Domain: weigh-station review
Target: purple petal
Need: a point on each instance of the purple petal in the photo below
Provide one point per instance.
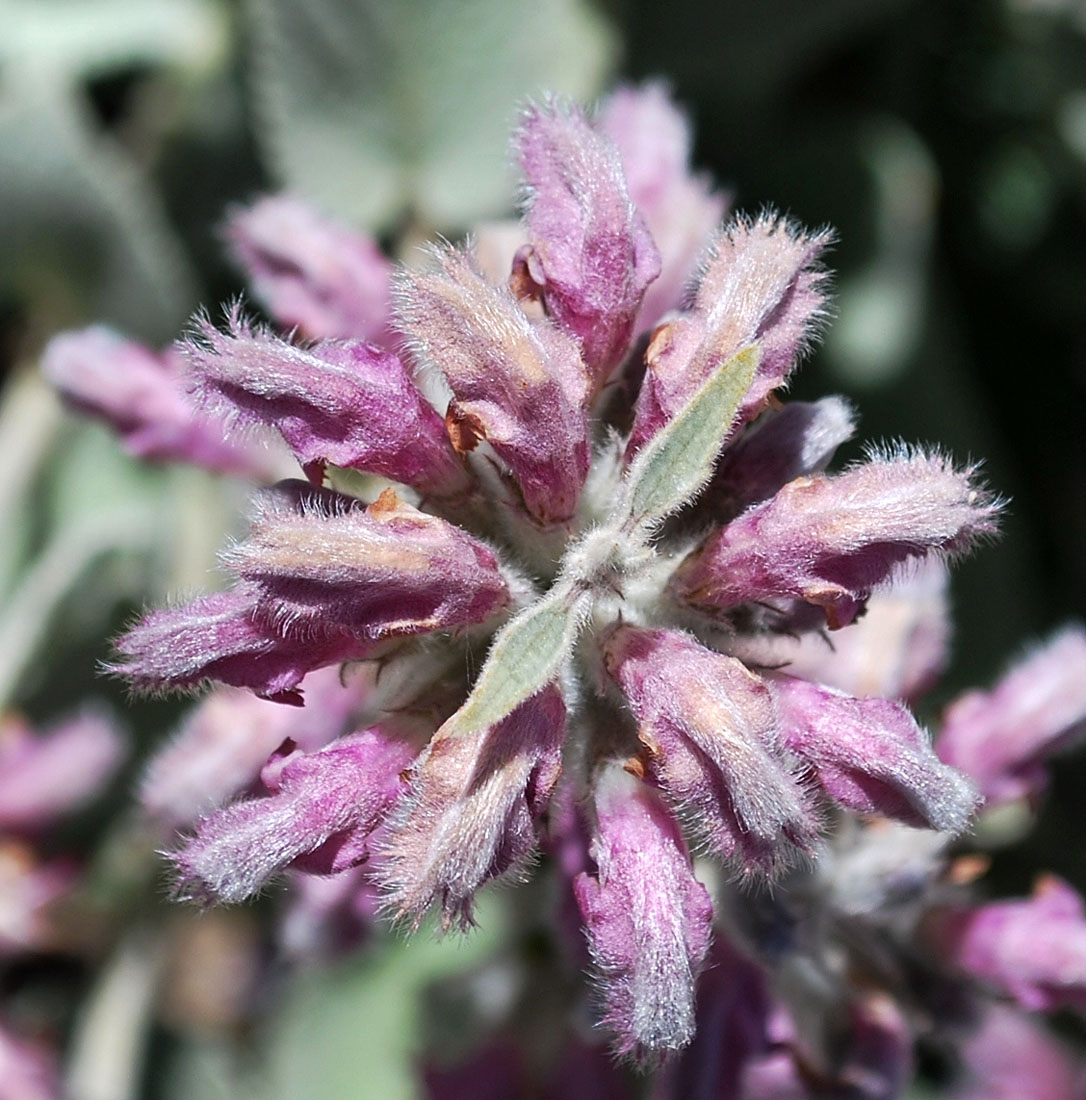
(142, 396)
(830, 540)
(341, 402)
(798, 440)
(710, 733)
(590, 255)
(760, 284)
(45, 775)
(1033, 951)
(225, 740)
(388, 571)
(1003, 737)
(310, 272)
(870, 756)
(319, 816)
(520, 386)
(1009, 1057)
(471, 811)
(681, 210)
(219, 637)
(648, 920)
(29, 1069)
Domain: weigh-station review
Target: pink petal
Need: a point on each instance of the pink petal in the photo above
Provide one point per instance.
(312, 273)
(471, 811)
(870, 756)
(386, 571)
(710, 733)
(590, 256)
(520, 386)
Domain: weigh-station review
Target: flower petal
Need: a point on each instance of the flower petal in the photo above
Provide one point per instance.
(387, 571)
(310, 272)
(521, 386)
(590, 255)
(830, 540)
(320, 812)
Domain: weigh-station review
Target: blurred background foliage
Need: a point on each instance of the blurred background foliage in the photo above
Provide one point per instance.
(945, 141)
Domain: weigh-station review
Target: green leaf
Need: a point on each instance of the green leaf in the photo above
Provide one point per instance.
(527, 654)
(81, 231)
(74, 39)
(679, 460)
(380, 110)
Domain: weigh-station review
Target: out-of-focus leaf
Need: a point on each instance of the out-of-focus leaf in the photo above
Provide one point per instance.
(350, 1033)
(380, 109)
(79, 38)
(78, 218)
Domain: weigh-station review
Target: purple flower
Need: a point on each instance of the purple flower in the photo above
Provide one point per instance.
(566, 596)
(1003, 737)
(647, 918)
(1034, 950)
(325, 279)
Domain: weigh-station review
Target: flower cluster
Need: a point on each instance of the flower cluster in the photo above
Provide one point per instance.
(582, 602)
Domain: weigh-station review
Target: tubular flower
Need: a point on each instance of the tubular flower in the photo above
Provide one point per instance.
(557, 656)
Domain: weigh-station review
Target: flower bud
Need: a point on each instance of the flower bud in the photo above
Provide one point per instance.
(830, 540)
(648, 920)
(709, 729)
(319, 815)
(341, 402)
(590, 256)
(471, 809)
(311, 273)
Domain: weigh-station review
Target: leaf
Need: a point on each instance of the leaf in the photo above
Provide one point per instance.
(379, 110)
(527, 654)
(74, 39)
(79, 219)
(678, 462)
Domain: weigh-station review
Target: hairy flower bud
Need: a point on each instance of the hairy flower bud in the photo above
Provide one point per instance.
(320, 813)
(647, 918)
(590, 256)
(471, 808)
(709, 730)
(759, 284)
(341, 402)
(830, 540)
(870, 755)
(519, 385)
(388, 571)
(325, 279)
